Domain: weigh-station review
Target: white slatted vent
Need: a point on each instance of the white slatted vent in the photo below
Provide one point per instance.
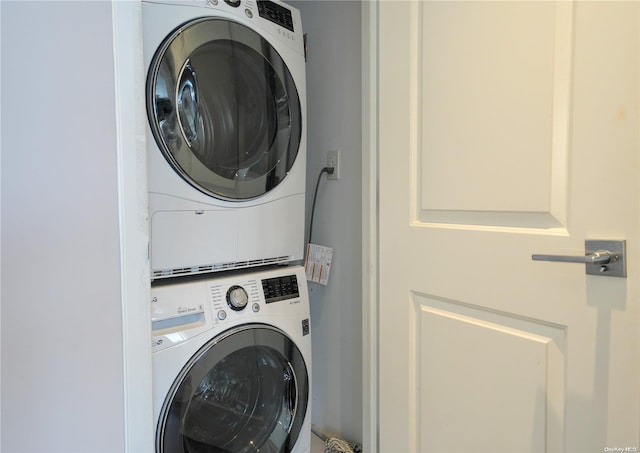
(165, 273)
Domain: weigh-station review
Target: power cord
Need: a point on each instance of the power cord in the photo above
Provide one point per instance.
(335, 444)
(329, 171)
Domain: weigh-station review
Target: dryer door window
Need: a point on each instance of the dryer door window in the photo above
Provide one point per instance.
(245, 391)
(224, 109)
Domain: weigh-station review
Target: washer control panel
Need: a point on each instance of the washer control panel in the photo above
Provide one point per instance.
(186, 310)
(280, 288)
(252, 293)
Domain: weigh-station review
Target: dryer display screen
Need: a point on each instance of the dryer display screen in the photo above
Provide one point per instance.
(275, 13)
(280, 288)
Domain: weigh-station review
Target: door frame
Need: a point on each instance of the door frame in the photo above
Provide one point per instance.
(138, 424)
(370, 267)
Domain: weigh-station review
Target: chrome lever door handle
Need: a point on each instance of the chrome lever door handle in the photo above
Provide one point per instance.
(602, 257)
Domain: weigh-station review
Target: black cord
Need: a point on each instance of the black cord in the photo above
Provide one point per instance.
(329, 171)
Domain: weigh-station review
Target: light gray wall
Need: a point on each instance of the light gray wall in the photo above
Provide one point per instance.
(61, 325)
(61, 322)
(334, 122)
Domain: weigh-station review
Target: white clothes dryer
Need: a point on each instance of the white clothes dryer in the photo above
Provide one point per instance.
(226, 145)
(232, 363)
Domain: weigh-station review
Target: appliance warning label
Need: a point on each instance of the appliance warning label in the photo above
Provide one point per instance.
(318, 263)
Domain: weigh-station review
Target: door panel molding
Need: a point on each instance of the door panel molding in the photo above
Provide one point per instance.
(487, 71)
(454, 340)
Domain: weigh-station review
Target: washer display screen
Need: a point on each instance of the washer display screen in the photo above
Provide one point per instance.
(275, 13)
(280, 288)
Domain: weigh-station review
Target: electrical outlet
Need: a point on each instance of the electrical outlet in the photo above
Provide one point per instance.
(333, 161)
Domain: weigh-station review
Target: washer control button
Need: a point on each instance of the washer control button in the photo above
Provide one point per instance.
(237, 298)
(222, 315)
(255, 307)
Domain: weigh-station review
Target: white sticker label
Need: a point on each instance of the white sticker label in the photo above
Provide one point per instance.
(318, 263)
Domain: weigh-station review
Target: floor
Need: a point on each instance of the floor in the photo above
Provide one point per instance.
(317, 445)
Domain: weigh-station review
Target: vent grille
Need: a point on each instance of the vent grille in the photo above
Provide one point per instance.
(166, 273)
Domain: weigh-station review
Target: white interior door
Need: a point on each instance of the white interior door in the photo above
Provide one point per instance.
(507, 129)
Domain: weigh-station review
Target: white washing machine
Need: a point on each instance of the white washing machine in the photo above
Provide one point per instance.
(226, 107)
(232, 363)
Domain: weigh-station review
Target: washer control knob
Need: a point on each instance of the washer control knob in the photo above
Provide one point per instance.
(222, 315)
(237, 298)
(255, 307)
(234, 3)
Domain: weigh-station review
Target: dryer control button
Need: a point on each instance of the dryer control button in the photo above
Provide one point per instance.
(255, 308)
(222, 315)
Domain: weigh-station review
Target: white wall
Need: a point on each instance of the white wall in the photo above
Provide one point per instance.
(334, 122)
(61, 324)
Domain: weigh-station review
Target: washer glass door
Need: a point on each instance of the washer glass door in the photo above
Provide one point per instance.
(224, 109)
(244, 391)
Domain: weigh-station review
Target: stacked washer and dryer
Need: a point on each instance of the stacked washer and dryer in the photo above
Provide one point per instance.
(231, 342)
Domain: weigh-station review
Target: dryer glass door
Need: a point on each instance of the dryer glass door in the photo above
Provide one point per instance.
(224, 109)
(244, 391)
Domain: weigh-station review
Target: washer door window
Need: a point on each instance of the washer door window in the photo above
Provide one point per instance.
(224, 109)
(244, 392)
